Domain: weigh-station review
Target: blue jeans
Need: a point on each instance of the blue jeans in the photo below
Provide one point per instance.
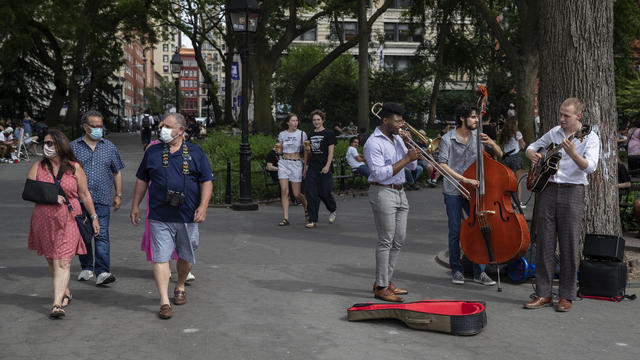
(455, 204)
(412, 176)
(318, 188)
(362, 170)
(101, 244)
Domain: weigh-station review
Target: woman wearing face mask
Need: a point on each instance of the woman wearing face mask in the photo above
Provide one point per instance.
(53, 231)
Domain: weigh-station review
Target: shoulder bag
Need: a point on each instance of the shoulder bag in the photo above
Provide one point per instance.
(40, 192)
(83, 220)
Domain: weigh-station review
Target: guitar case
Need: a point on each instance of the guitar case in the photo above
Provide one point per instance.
(456, 317)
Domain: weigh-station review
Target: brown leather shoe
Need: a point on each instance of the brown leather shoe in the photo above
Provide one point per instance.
(180, 297)
(165, 312)
(539, 302)
(387, 295)
(396, 290)
(564, 305)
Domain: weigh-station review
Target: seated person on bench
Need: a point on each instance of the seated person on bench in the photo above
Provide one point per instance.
(356, 160)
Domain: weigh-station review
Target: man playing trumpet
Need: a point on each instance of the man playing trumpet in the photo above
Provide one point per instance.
(387, 156)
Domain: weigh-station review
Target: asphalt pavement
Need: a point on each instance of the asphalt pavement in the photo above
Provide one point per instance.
(269, 292)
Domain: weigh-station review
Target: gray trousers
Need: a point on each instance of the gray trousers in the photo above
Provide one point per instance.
(560, 211)
(390, 210)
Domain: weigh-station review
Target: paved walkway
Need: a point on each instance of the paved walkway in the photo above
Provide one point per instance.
(267, 292)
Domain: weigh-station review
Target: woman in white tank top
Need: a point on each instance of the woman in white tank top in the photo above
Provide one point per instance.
(291, 165)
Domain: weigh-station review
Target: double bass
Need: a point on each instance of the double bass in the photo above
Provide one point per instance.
(493, 233)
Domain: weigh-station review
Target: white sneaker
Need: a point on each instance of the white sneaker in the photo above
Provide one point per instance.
(332, 217)
(190, 277)
(85, 275)
(310, 225)
(105, 278)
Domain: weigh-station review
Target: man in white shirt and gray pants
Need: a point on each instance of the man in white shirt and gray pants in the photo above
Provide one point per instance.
(387, 156)
(560, 208)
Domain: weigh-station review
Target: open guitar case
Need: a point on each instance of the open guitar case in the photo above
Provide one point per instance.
(454, 317)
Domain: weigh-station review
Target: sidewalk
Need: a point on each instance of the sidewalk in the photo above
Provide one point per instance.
(269, 292)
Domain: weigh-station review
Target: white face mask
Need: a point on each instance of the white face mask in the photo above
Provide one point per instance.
(49, 151)
(165, 135)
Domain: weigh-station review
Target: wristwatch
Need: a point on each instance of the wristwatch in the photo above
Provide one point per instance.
(94, 216)
(119, 195)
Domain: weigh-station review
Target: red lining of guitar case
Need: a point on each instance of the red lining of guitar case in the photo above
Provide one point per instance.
(440, 307)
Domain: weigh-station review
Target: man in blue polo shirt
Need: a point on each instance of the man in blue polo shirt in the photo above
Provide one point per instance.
(179, 179)
(102, 163)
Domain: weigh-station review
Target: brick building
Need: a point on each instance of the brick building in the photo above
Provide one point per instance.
(189, 83)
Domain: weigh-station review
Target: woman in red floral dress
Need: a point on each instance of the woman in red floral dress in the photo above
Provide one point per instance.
(53, 231)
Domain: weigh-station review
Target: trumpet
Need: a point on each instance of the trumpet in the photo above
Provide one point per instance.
(424, 153)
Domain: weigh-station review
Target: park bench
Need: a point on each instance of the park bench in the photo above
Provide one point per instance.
(343, 173)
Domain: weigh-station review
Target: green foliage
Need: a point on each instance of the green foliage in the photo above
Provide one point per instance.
(449, 100)
(45, 42)
(398, 86)
(166, 99)
(628, 97)
(221, 147)
(333, 90)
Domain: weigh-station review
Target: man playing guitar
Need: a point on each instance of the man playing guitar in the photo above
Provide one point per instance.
(560, 208)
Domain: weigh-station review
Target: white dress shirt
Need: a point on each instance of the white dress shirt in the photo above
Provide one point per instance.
(568, 170)
(381, 153)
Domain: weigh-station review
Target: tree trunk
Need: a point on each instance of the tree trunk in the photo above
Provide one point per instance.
(525, 82)
(577, 42)
(263, 118)
(363, 69)
(443, 32)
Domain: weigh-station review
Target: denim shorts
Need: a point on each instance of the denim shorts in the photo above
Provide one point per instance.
(167, 237)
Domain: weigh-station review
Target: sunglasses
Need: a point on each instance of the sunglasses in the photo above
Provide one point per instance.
(48, 143)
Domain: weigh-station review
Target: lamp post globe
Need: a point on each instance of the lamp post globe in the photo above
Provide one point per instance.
(176, 69)
(244, 15)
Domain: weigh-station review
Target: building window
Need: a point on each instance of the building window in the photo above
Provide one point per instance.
(394, 32)
(209, 67)
(165, 58)
(397, 62)
(165, 68)
(215, 77)
(349, 30)
(400, 4)
(165, 47)
(166, 78)
(215, 67)
(309, 35)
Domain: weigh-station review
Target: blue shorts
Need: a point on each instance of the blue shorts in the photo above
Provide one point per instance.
(167, 237)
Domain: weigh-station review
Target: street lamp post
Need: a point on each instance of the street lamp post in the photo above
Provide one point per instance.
(176, 69)
(244, 18)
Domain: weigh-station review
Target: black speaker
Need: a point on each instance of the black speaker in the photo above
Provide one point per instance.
(602, 278)
(603, 247)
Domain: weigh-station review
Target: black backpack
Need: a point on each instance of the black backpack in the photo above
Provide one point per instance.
(146, 123)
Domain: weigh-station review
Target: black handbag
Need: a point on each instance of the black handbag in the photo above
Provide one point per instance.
(83, 220)
(40, 192)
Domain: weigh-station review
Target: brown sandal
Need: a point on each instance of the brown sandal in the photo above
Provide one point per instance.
(56, 311)
(179, 297)
(283, 222)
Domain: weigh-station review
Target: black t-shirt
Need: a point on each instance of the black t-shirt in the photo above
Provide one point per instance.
(273, 158)
(320, 142)
(623, 174)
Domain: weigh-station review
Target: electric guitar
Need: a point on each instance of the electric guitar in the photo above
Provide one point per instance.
(545, 168)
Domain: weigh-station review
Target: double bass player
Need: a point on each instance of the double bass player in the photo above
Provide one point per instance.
(458, 151)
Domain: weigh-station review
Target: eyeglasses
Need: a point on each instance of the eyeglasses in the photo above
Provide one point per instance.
(48, 143)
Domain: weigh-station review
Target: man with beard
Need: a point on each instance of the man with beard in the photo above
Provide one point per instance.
(457, 151)
(387, 157)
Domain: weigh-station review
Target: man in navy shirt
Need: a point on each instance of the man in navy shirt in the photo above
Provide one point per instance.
(102, 163)
(179, 179)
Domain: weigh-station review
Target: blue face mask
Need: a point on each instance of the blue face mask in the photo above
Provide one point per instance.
(96, 133)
